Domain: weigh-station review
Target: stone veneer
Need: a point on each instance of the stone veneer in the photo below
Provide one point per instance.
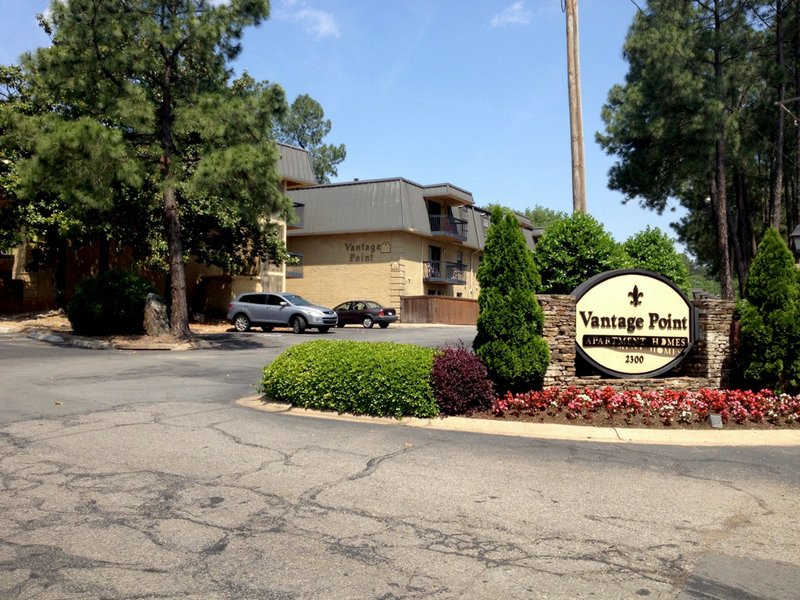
(708, 363)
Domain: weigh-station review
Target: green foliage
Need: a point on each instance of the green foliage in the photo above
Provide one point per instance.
(509, 338)
(541, 216)
(372, 378)
(574, 249)
(698, 109)
(700, 277)
(109, 303)
(652, 250)
(769, 317)
(143, 122)
(305, 125)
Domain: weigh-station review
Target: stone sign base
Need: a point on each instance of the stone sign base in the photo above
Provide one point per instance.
(708, 364)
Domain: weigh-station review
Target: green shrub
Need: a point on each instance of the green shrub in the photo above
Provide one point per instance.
(509, 339)
(372, 378)
(574, 249)
(109, 303)
(769, 317)
(652, 250)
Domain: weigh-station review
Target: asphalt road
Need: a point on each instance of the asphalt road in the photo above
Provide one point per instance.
(135, 475)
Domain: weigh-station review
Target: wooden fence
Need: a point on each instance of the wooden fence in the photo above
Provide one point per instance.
(438, 309)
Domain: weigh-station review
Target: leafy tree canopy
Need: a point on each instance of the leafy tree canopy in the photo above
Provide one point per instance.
(129, 119)
(305, 125)
(541, 216)
(652, 250)
(574, 249)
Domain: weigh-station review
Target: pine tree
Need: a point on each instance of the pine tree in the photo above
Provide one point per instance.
(510, 320)
(143, 112)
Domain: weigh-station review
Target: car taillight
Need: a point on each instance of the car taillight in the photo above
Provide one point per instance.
(230, 305)
(380, 313)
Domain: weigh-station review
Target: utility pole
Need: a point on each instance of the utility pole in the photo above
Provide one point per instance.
(575, 110)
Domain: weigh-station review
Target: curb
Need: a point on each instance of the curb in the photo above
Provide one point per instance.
(68, 340)
(546, 431)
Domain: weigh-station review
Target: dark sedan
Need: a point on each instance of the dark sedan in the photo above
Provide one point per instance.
(365, 313)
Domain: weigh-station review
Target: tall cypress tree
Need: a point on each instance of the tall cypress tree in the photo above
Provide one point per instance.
(510, 320)
(769, 340)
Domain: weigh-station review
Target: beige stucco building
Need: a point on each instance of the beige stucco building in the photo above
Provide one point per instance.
(387, 239)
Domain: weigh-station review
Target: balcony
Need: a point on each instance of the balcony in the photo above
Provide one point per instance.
(439, 271)
(300, 214)
(294, 266)
(448, 226)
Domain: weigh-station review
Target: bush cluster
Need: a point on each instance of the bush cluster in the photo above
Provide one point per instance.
(652, 250)
(460, 382)
(574, 249)
(373, 378)
(109, 303)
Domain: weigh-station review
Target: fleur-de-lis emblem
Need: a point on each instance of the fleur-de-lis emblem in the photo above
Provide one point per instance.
(636, 296)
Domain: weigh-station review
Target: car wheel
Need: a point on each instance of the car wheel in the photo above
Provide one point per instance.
(368, 322)
(241, 322)
(267, 327)
(340, 324)
(383, 325)
(323, 329)
(298, 324)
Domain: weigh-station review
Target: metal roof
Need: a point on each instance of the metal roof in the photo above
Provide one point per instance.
(295, 166)
(389, 205)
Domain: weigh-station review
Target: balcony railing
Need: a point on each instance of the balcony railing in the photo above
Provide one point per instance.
(300, 213)
(439, 271)
(294, 267)
(448, 226)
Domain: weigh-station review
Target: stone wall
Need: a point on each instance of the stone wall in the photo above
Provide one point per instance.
(707, 365)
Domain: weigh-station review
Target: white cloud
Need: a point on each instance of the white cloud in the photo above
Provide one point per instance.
(318, 23)
(516, 14)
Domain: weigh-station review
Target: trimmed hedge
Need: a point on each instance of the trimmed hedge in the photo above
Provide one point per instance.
(373, 378)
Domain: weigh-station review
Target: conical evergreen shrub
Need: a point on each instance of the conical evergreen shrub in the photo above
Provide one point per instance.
(769, 318)
(510, 320)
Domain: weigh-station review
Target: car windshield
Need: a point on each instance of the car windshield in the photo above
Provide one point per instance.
(369, 304)
(298, 300)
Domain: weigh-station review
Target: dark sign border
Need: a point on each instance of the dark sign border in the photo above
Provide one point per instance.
(694, 333)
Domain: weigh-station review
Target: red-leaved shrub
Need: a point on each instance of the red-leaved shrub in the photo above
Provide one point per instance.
(460, 382)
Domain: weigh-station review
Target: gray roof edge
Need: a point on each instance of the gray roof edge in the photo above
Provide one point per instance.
(387, 179)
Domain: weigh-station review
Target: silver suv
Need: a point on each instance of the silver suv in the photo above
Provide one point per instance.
(271, 309)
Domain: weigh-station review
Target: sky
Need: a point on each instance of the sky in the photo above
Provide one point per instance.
(467, 92)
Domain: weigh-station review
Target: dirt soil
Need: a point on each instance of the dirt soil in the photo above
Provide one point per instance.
(57, 322)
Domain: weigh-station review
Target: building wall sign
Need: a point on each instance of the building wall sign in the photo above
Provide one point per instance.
(365, 252)
(633, 323)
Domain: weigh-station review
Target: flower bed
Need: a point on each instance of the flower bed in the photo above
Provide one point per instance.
(665, 408)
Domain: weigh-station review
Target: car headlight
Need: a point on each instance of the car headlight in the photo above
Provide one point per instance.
(314, 313)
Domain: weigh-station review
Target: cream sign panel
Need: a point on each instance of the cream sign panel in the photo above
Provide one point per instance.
(633, 323)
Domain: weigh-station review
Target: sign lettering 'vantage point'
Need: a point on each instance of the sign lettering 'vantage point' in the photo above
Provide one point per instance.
(633, 323)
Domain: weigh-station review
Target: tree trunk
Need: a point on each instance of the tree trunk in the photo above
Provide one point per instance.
(719, 196)
(744, 240)
(179, 316)
(777, 184)
(796, 61)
